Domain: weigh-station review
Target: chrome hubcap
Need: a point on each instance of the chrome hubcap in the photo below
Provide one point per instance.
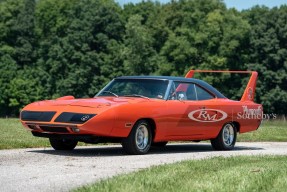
(142, 137)
(228, 134)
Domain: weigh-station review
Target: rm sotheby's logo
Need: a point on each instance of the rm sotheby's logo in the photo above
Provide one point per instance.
(249, 113)
(207, 115)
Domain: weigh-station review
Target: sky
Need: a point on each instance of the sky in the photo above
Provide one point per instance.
(246, 4)
(238, 4)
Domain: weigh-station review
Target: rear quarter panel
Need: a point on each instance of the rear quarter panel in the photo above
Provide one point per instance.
(247, 114)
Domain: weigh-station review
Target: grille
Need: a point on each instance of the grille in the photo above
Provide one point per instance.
(37, 115)
(75, 118)
(54, 129)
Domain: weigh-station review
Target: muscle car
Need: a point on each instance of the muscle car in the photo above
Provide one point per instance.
(144, 111)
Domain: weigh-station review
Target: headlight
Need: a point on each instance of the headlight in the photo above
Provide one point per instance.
(76, 118)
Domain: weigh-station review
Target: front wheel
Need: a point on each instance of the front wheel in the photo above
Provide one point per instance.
(139, 140)
(226, 138)
(63, 144)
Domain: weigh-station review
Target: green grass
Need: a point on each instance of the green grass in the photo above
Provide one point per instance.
(13, 134)
(268, 131)
(257, 173)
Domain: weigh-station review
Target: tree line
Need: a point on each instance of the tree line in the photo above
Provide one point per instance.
(51, 48)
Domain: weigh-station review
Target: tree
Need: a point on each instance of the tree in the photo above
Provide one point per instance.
(267, 55)
(17, 42)
(51, 48)
(75, 48)
(140, 57)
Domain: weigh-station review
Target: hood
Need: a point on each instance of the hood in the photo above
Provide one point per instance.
(97, 102)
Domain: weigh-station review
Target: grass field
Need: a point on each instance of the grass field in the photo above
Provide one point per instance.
(13, 135)
(268, 131)
(257, 173)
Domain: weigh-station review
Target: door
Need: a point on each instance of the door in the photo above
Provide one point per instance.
(189, 115)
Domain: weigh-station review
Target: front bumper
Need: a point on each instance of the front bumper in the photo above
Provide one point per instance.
(79, 137)
(64, 136)
(52, 128)
(83, 122)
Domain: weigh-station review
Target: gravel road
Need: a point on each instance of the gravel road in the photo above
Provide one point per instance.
(44, 169)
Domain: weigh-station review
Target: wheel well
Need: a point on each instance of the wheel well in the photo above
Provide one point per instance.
(237, 125)
(152, 124)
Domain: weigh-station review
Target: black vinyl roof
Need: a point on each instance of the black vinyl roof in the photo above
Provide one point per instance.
(181, 79)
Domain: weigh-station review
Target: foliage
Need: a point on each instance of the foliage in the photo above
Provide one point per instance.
(51, 48)
(268, 53)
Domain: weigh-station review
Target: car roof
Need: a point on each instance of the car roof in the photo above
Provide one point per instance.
(182, 79)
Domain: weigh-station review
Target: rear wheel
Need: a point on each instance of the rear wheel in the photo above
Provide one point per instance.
(63, 144)
(226, 138)
(139, 140)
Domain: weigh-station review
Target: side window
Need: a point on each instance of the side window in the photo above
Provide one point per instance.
(191, 93)
(182, 91)
(178, 91)
(202, 94)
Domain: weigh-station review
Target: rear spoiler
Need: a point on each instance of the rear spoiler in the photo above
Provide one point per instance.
(249, 91)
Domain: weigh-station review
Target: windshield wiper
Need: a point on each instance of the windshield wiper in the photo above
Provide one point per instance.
(136, 95)
(110, 93)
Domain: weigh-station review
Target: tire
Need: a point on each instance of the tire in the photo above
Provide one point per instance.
(159, 144)
(139, 140)
(63, 144)
(226, 138)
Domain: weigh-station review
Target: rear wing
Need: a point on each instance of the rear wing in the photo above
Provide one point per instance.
(249, 91)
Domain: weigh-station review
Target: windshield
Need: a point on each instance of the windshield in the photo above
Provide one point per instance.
(146, 88)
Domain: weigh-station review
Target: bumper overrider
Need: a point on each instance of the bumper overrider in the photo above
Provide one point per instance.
(40, 122)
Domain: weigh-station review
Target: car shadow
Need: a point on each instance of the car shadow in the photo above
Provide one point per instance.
(117, 150)
(187, 148)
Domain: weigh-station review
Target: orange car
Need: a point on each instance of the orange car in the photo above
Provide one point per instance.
(142, 111)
